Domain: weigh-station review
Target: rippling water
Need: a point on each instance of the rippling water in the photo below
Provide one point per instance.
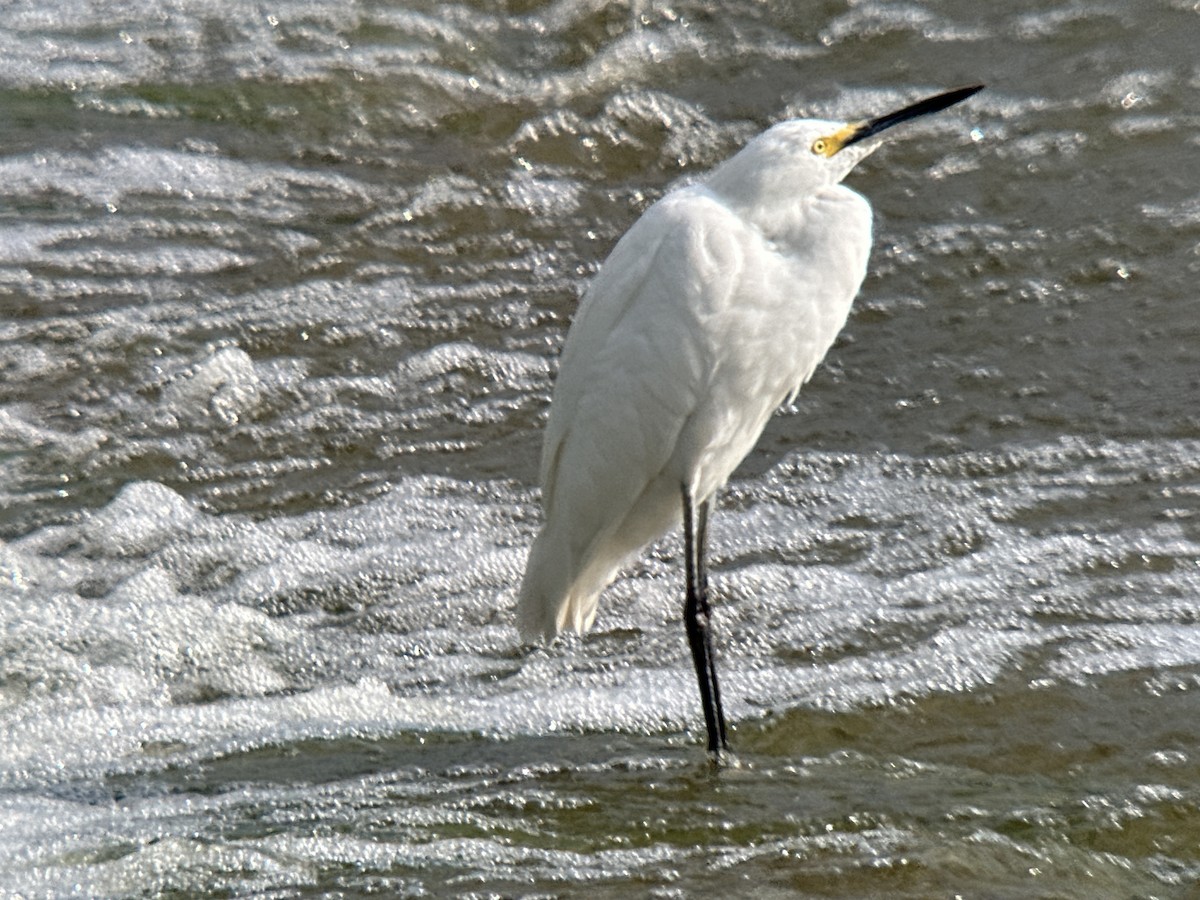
(281, 293)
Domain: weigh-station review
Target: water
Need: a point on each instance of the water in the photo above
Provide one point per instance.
(282, 292)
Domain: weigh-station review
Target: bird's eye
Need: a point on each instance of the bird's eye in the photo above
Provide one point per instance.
(820, 146)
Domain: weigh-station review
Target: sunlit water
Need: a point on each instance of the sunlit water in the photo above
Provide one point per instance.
(282, 289)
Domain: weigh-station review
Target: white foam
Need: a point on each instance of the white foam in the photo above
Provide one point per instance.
(224, 386)
(151, 624)
(113, 175)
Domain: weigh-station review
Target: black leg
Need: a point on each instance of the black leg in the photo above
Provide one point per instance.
(696, 618)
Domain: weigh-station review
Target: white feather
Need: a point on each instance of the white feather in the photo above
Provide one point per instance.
(710, 312)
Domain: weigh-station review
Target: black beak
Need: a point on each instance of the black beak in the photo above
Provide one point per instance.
(862, 130)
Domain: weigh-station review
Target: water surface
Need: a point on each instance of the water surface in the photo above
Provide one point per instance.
(281, 296)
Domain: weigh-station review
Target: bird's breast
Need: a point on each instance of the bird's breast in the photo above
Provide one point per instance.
(791, 295)
(805, 275)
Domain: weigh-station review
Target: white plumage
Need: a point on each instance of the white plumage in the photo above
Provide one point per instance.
(711, 311)
(713, 308)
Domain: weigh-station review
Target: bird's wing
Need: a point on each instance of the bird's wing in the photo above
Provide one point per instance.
(694, 330)
(638, 356)
(634, 368)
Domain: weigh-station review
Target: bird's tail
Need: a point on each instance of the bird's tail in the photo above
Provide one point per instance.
(555, 596)
(544, 589)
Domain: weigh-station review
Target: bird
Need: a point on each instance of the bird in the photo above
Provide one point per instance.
(710, 313)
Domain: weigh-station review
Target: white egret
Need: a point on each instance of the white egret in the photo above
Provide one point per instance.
(710, 312)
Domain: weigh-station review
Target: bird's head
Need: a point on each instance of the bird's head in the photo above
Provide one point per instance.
(800, 156)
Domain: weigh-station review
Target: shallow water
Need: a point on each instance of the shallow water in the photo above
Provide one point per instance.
(281, 295)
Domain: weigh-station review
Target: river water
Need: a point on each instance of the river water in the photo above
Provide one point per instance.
(282, 288)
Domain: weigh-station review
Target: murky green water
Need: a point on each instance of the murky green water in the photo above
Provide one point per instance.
(281, 293)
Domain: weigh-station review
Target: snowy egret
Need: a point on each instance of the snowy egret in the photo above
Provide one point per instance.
(711, 312)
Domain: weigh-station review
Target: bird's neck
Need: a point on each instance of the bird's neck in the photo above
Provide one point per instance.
(769, 198)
